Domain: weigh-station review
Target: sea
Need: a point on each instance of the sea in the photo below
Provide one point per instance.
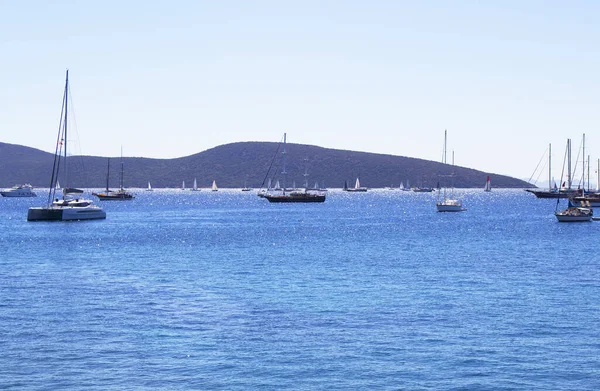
(182, 290)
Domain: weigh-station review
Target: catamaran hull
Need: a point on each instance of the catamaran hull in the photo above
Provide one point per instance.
(65, 214)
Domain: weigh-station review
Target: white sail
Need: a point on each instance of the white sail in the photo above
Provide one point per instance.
(195, 185)
(401, 186)
(214, 186)
(149, 187)
(488, 185)
(357, 184)
(57, 184)
(269, 184)
(183, 185)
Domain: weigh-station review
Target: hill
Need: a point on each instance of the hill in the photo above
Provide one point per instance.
(236, 164)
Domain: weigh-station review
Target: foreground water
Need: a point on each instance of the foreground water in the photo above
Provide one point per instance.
(224, 291)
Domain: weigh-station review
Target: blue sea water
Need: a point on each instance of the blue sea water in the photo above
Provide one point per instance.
(368, 291)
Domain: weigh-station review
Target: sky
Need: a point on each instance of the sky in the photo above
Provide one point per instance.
(171, 79)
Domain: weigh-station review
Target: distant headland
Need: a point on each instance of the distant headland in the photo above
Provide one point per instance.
(245, 164)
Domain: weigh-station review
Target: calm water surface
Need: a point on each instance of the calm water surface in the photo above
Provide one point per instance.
(224, 291)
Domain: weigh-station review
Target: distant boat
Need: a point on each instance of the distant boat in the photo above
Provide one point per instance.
(214, 186)
(423, 189)
(356, 188)
(114, 195)
(296, 196)
(183, 185)
(70, 207)
(25, 190)
(246, 188)
(575, 214)
(565, 190)
(488, 184)
(149, 187)
(195, 188)
(448, 203)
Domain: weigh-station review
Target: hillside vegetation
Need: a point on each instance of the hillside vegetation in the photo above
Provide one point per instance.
(237, 164)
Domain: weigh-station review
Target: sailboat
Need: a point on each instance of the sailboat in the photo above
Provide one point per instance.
(149, 187)
(356, 188)
(183, 185)
(195, 188)
(69, 206)
(246, 188)
(488, 184)
(115, 195)
(214, 186)
(565, 191)
(300, 195)
(573, 213)
(448, 203)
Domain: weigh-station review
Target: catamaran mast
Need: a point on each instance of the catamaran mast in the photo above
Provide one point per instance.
(65, 132)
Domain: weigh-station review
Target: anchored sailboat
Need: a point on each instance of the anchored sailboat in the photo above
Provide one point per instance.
(448, 202)
(300, 195)
(356, 189)
(70, 206)
(115, 195)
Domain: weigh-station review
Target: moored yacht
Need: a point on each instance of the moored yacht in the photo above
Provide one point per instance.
(575, 214)
(25, 190)
(71, 206)
(295, 195)
(448, 203)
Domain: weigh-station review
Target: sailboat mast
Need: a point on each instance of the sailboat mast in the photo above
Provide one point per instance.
(583, 181)
(549, 167)
(65, 131)
(107, 173)
(121, 179)
(306, 173)
(283, 173)
(569, 162)
(445, 139)
(588, 173)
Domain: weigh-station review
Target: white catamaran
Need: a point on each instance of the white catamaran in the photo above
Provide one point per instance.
(71, 206)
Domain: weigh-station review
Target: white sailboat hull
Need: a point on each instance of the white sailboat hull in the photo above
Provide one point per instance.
(574, 215)
(450, 206)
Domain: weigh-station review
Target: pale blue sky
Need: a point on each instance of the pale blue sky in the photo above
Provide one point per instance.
(169, 79)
